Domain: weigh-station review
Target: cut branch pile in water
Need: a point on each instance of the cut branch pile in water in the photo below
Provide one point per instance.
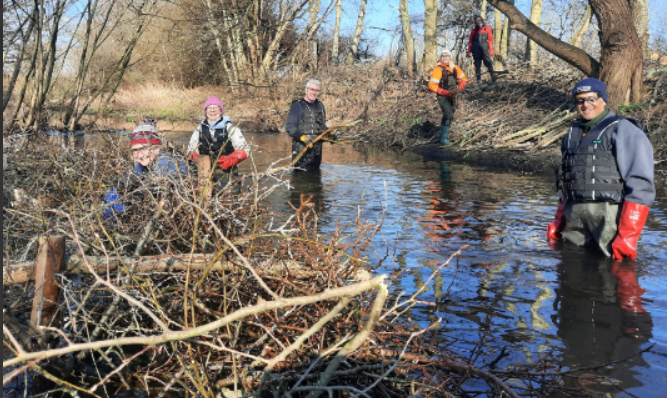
(259, 305)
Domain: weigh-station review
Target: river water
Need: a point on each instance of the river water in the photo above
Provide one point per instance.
(509, 288)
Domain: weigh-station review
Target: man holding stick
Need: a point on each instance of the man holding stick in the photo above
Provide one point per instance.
(307, 120)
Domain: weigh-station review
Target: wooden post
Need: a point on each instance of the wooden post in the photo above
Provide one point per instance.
(204, 166)
(79, 139)
(50, 260)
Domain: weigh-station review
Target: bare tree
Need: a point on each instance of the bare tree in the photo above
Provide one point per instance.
(497, 37)
(620, 65)
(430, 34)
(313, 9)
(582, 27)
(336, 32)
(408, 38)
(10, 39)
(531, 46)
(354, 46)
(502, 52)
(639, 10)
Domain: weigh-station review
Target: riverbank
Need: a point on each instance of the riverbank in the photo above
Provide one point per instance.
(514, 124)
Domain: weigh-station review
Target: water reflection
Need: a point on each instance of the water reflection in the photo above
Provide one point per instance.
(309, 184)
(454, 215)
(601, 318)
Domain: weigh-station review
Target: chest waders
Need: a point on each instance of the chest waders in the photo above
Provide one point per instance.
(312, 124)
(592, 183)
(481, 53)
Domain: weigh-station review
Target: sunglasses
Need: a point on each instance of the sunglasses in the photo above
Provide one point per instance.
(581, 101)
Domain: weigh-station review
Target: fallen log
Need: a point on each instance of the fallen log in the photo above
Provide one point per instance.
(25, 271)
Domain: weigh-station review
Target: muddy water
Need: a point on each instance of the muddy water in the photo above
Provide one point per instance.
(509, 288)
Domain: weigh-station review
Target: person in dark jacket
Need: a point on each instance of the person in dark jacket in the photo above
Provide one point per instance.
(606, 177)
(306, 120)
(480, 45)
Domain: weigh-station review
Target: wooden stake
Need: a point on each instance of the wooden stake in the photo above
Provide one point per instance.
(50, 260)
(204, 166)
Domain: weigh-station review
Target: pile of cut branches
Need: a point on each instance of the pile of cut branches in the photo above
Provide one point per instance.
(250, 310)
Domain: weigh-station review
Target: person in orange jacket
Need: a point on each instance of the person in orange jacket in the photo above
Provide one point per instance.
(606, 178)
(447, 79)
(480, 46)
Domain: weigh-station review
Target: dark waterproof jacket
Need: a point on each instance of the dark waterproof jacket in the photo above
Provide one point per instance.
(309, 120)
(611, 163)
(212, 138)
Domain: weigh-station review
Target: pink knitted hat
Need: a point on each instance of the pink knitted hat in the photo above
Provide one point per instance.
(213, 100)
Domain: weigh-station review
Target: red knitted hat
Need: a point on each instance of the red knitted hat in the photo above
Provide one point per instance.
(145, 133)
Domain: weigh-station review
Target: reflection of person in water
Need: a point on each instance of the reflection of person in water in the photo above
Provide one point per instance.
(310, 185)
(600, 317)
(448, 219)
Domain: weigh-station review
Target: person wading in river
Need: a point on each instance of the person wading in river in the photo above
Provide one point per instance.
(306, 120)
(447, 80)
(480, 46)
(220, 140)
(607, 169)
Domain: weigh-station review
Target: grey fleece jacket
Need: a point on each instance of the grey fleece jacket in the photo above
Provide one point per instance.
(634, 158)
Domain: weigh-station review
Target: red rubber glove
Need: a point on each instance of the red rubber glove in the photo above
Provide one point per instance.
(468, 54)
(491, 53)
(195, 156)
(462, 85)
(630, 225)
(558, 224)
(442, 91)
(627, 289)
(236, 157)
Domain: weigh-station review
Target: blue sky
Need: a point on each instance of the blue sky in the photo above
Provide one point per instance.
(384, 14)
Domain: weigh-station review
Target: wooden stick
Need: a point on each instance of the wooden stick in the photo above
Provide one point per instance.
(50, 260)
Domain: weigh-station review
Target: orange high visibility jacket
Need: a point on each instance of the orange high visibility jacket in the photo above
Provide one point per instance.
(436, 76)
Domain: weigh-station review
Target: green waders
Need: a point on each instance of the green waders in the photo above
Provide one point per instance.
(447, 106)
(591, 224)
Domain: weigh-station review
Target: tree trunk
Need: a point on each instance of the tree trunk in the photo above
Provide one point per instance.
(354, 46)
(408, 38)
(336, 32)
(287, 16)
(430, 37)
(497, 36)
(620, 66)
(621, 57)
(314, 10)
(582, 27)
(503, 51)
(639, 9)
(482, 9)
(531, 46)
(19, 62)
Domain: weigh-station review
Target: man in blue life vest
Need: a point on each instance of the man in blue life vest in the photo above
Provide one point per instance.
(606, 178)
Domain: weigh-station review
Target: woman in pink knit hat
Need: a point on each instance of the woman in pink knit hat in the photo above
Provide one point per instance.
(217, 137)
